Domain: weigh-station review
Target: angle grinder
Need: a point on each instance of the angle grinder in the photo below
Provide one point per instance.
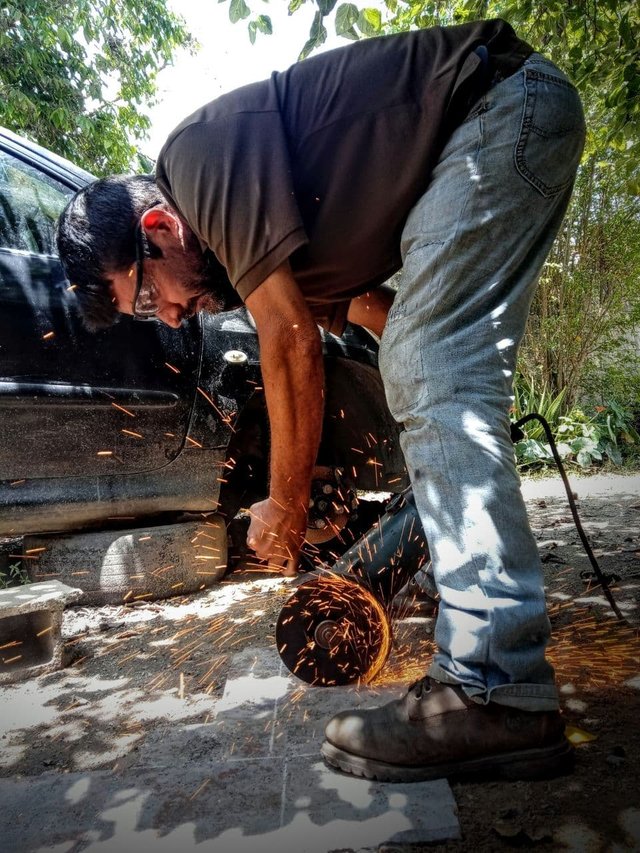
(336, 628)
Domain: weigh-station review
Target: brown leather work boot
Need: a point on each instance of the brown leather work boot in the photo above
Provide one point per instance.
(435, 731)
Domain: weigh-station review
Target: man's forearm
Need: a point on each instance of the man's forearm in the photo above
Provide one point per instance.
(293, 377)
(371, 309)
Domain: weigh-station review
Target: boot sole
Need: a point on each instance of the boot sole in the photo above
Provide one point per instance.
(540, 763)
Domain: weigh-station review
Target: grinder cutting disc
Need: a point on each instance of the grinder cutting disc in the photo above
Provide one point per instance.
(333, 631)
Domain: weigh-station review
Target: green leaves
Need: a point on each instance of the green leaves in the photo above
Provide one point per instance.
(75, 76)
(347, 16)
(326, 6)
(370, 22)
(317, 36)
(238, 10)
(582, 440)
(261, 24)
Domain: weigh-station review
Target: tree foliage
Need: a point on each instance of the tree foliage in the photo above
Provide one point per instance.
(587, 305)
(76, 76)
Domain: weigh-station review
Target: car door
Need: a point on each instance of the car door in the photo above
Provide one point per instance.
(75, 403)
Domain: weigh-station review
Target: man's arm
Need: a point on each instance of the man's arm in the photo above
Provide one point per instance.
(371, 309)
(293, 378)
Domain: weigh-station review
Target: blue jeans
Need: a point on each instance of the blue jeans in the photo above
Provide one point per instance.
(473, 247)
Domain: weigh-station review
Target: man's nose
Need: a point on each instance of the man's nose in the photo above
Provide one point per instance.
(171, 315)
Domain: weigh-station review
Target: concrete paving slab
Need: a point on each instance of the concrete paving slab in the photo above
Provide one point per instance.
(265, 710)
(291, 726)
(254, 806)
(203, 744)
(248, 777)
(256, 661)
(145, 809)
(304, 713)
(342, 811)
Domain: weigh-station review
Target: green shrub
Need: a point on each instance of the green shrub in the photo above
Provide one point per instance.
(581, 439)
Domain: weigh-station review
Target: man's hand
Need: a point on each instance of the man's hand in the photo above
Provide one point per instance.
(276, 534)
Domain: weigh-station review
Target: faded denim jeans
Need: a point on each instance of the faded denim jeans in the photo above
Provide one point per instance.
(473, 247)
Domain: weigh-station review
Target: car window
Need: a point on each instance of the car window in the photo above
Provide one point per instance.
(30, 203)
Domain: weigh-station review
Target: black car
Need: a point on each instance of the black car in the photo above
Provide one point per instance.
(141, 426)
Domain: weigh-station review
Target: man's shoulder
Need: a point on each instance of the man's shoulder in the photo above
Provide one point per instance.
(253, 99)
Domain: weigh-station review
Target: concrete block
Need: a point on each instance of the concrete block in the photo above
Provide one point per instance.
(117, 566)
(30, 623)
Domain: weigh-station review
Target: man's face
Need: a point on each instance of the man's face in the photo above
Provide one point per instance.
(177, 285)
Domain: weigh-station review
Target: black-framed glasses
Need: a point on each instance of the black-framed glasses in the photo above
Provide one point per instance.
(145, 306)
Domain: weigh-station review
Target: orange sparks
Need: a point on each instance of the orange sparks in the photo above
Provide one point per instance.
(131, 433)
(122, 409)
(171, 367)
(48, 336)
(226, 419)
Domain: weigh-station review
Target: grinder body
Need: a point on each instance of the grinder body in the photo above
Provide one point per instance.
(390, 553)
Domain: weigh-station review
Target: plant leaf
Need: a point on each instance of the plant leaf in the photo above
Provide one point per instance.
(238, 10)
(347, 15)
(370, 22)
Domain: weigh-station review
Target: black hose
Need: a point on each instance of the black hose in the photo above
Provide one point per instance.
(516, 435)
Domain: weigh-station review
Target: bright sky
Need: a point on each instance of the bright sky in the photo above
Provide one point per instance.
(227, 59)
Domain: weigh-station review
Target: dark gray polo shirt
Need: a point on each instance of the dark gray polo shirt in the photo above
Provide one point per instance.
(322, 163)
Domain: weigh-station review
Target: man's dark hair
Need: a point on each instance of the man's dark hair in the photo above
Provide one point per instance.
(96, 237)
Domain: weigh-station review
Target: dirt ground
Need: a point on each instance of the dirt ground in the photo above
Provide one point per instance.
(180, 647)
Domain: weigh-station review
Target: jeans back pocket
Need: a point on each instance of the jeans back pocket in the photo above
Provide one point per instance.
(552, 132)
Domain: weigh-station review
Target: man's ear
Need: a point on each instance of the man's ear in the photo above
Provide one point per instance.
(160, 223)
